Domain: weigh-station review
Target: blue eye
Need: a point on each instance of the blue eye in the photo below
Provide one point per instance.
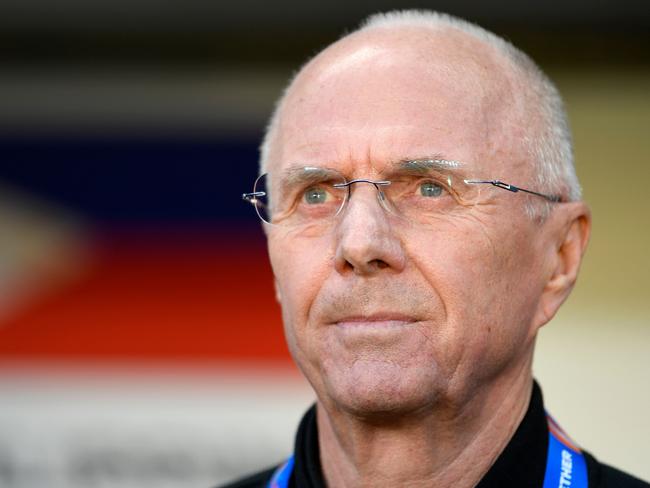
(315, 195)
(430, 189)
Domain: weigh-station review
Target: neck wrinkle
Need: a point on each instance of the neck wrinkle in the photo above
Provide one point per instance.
(427, 451)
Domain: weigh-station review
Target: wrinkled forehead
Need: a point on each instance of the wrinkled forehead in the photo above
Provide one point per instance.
(295, 174)
(388, 95)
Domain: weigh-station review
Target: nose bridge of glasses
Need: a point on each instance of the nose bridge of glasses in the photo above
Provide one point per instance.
(379, 186)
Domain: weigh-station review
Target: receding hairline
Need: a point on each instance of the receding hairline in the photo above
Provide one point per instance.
(549, 135)
(399, 23)
(475, 56)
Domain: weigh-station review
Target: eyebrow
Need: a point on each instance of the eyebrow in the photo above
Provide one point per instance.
(297, 176)
(301, 175)
(424, 165)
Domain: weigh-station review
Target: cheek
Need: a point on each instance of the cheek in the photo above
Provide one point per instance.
(485, 264)
(460, 264)
(484, 286)
(300, 268)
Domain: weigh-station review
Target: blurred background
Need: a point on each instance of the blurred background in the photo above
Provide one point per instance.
(140, 343)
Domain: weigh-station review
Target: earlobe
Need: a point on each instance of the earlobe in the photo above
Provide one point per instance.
(570, 245)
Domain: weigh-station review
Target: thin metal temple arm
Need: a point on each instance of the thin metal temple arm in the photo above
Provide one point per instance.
(514, 189)
(252, 196)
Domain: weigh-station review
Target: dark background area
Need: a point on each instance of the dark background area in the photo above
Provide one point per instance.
(133, 111)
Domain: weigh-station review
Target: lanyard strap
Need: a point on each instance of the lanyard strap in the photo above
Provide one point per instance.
(280, 478)
(565, 464)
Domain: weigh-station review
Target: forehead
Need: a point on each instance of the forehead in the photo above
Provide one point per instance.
(378, 98)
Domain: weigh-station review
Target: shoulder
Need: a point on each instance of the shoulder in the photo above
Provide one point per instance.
(604, 476)
(257, 480)
(612, 477)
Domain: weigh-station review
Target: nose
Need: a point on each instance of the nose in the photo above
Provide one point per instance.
(366, 241)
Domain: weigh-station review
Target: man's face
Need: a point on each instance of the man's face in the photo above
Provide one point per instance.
(383, 315)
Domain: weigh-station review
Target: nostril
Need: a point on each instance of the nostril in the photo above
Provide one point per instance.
(368, 267)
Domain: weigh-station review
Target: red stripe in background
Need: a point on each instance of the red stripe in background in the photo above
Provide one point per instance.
(157, 296)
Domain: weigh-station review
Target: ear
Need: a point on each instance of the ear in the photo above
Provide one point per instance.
(570, 229)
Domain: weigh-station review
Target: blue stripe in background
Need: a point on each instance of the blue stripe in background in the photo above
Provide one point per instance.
(140, 179)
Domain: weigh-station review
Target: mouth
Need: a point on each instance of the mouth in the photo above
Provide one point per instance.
(377, 321)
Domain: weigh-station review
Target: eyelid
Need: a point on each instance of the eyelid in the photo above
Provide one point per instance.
(437, 177)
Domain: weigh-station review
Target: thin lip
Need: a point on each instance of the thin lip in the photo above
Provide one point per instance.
(375, 318)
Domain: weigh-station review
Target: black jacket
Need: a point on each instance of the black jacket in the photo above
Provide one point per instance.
(521, 464)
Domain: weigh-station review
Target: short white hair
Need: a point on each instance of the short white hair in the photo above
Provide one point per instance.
(549, 145)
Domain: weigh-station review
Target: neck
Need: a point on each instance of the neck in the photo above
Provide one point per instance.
(439, 448)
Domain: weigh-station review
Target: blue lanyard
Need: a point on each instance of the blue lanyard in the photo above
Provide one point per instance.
(565, 464)
(280, 478)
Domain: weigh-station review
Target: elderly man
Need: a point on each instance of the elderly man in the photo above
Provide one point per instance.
(424, 221)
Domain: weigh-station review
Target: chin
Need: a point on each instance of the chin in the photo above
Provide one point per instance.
(377, 389)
